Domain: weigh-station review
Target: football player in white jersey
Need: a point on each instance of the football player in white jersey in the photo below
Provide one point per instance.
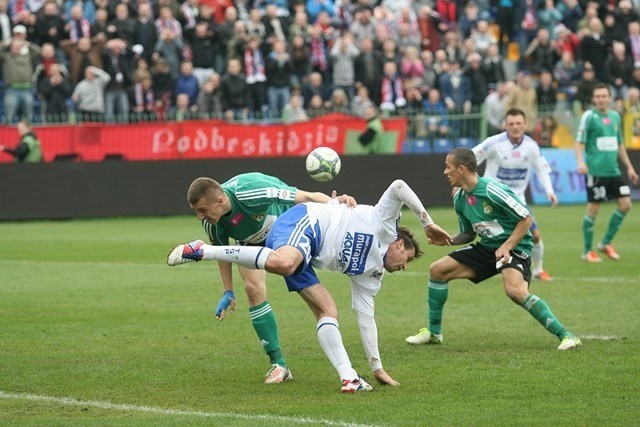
(511, 157)
(361, 242)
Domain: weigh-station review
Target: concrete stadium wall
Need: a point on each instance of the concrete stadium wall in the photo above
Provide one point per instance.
(61, 190)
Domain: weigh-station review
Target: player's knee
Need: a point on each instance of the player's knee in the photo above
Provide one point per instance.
(625, 205)
(437, 271)
(284, 266)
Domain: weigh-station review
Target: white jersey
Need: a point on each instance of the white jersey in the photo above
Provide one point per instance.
(512, 164)
(354, 241)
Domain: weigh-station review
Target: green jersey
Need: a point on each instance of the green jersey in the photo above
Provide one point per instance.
(492, 211)
(256, 201)
(601, 135)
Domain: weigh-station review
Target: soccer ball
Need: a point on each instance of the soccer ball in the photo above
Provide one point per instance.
(323, 164)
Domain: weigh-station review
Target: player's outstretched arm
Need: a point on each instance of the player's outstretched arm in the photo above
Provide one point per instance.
(228, 301)
(383, 378)
(437, 236)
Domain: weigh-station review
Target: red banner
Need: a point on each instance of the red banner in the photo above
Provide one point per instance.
(196, 139)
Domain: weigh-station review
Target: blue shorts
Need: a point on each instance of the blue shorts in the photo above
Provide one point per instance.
(534, 223)
(295, 228)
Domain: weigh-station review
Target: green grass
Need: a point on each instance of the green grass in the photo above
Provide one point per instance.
(89, 311)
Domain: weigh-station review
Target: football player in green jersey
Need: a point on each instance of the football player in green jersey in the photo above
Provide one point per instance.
(491, 210)
(600, 133)
(244, 208)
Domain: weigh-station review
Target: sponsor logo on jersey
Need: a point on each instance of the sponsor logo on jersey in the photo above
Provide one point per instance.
(258, 217)
(472, 200)
(606, 121)
(507, 174)
(353, 255)
(486, 207)
(236, 219)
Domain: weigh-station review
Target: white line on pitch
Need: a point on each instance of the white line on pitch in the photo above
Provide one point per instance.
(162, 411)
(602, 337)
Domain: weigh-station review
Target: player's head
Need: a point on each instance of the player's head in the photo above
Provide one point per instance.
(602, 96)
(24, 127)
(402, 251)
(515, 122)
(460, 162)
(207, 198)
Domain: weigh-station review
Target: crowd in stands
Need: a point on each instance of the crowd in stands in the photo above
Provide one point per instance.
(134, 60)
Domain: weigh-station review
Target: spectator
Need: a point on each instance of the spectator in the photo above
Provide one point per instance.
(202, 41)
(122, 26)
(54, 87)
(368, 69)
(163, 85)
(429, 77)
(183, 111)
(255, 69)
(278, 77)
(49, 25)
(117, 64)
(566, 41)
(448, 11)
(494, 104)
(101, 23)
(524, 97)
(225, 31)
(623, 16)
(236, 45)
(452, 47)
(633, 41)
(635, 75)
(482, 37)
(586, 85)
(167, 23)
(549, 17)
(455, 89)
(468, 20)
(566, 73)
(540, 54)
(187, 83)
(339, 102)
(572, 13)
(209, 100)
(361, 102)
(293, 110)
(29, 149)
(428, 22)
(316, 86)
(343, 54)
(528, 25)
(88, 95)
(319, 57)
(169, 46)
(143, 100)
(477, 78)
(235, 93)
(437, 123)
(17, 60)
(146, 34)
(255, 26)
(593, 48)
(406, 38)
(390, 52)
(363, 25)
(87, 10)
(78, 26)
(545, 92)
(299, 60)
(617, 70)
(81, 54)
(316, 107)
(411, 67)
(276, 22)
(314, 7)
(391, 89)
(493, 66)
(300, 26)
(5, 23)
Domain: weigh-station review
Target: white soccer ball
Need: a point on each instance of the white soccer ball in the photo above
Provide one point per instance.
(323, 164)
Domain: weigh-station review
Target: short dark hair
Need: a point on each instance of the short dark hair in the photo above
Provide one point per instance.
(410, 241)
(515, 112)
(601, 86)
(203, 187)
(464, 157)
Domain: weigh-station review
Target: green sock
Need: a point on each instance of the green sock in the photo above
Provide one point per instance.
(614, 224)
(588, 224)
(264, 322)
(542, 313)
(438, 293)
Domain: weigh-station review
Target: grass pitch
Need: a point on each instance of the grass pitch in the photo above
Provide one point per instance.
(95, 329)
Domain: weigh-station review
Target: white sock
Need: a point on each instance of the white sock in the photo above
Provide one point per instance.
(253, 257)
(536, 257)
(331, 342)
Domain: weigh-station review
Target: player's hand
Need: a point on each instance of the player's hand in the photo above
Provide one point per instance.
(553, 199)
(503, 255)
(633, 176)
(437, 236)
(228, 301)
(345, 198)
(582, 168)
(383, 378)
